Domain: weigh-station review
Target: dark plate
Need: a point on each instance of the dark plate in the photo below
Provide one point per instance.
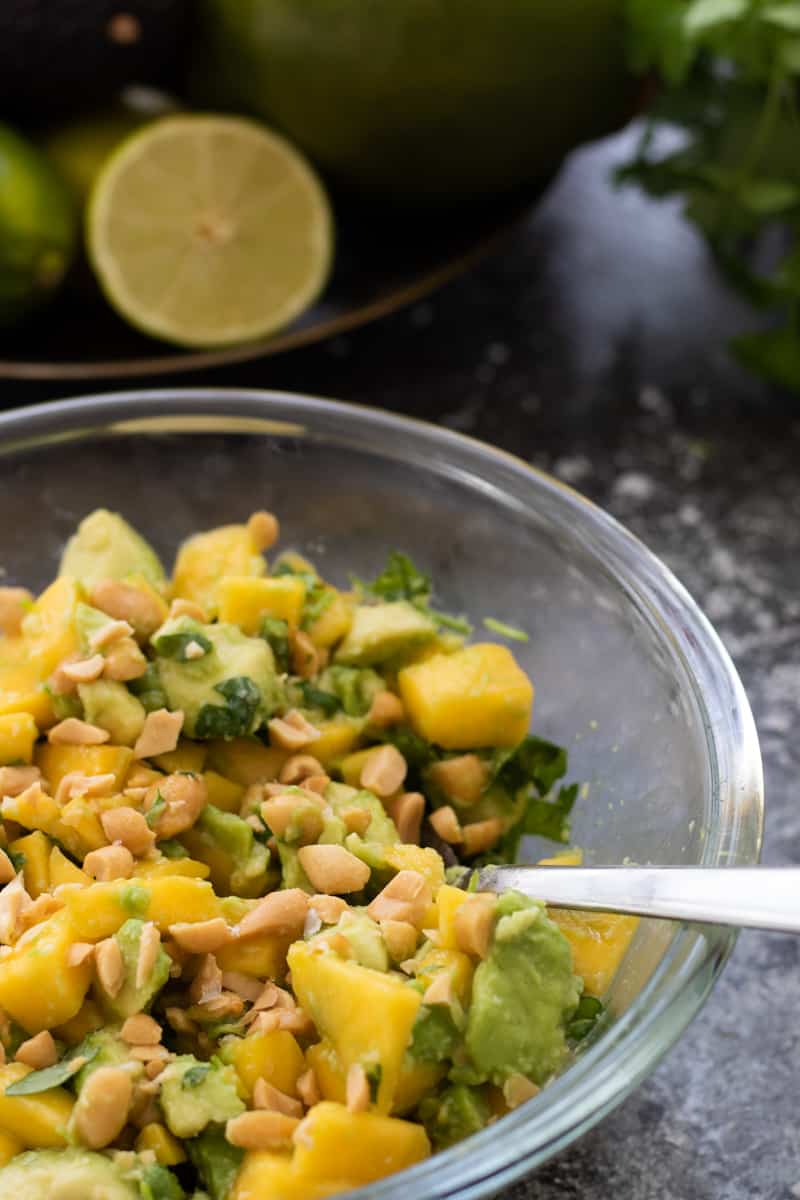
(378, 269)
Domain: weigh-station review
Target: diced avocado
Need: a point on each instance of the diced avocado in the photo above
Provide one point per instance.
(103, 1048)
(148, 690)
(216, 1161)
(523, 994)
(105, 546)
(239, 864)
(383, 631)
(88, 621)
(65, 1175)
(111, 706)
(195, 1094)
(131, 998)
(453, 1115)
(435, 1035)
(228, 690)
(158, 1183)
(354, 687)
(381, 828)
(365, 939)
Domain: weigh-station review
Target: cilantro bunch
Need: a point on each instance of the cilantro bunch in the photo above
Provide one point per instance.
(729, 75)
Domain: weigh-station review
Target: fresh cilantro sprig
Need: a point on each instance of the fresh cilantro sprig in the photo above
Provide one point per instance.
(730, 83)
(400, 579)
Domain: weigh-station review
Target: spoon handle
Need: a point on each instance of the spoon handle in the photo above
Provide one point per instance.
(746, 897)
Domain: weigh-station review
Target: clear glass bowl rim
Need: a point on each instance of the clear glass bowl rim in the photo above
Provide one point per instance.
(611, 1068)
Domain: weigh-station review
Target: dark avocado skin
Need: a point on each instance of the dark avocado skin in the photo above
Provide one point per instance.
(56, 56)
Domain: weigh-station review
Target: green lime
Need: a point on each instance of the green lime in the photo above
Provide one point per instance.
(207, 231)
(38, 228)
(79, 148)
(422, 101)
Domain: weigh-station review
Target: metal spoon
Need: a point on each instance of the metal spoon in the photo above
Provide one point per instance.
(747, 897)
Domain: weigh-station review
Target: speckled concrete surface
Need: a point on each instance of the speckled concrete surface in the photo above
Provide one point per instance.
(591, 345)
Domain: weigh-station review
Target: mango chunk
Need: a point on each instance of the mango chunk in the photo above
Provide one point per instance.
(61, 870)
(167, 1149)
(18, 732)
(245, 760)
(26, 662)
(223, 793)
(245, 601)
(266, 1175)
(99, 911)
(376, 1031)
(337, 738)
(262, 956)
(57, 761)
(37, 1122)
(457, 965)
(187, 756)
(274, 1056)
(38, 988)
(9, 1146)
(207, 558)
(355, 1148)
(35, 848)
(448, 902)
(598, 941)
(475, 697)
(334, 621)
(160, 867)
(407, 857)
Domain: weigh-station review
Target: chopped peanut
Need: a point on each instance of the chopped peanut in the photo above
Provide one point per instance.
(306, 658)
(317, 784)
(517, 1089)
(481, 835)
(400, 938)
(333, 869)
(244, 985)
(75, 784)
(357, 820)
(160, 733)
(202, 937)
(109, 633)
(447, 825)
(261, 1130)
(440, 990)
(267, 1097)
(110, 862)
(264, 530)
(298, 768)
(330, 908)
(7, 871)
(73, 732)
(357, 1089)
(124, 602)
(185, 797)
(124, 661)
(128, 827)
(473, 925)
(80, 952)
(279, 912)
(38, 1052)
(14, 903)
(109, 966)
(15, 780)
(141, 1030)
(292, 732)
(384, 771)
(407, 897)
(462, 779)
(207, 983)
(102, 1108)
(14, 603)
(386, 709)
(308, 1088)
(280, 812)
(82, 670)
(149, 946)
(188, 608)
(407, 811)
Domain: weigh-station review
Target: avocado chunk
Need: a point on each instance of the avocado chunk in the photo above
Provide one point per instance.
(65, 1175)
(195, 1094)
(239, 864)
(133, 996)
(110, 706)
(105, 546)
(453, 1115)
(228, 690)
(383, 631)
(354, 687)
(103, 1048)
(366, 940)
(216, 1161)
(523, 994)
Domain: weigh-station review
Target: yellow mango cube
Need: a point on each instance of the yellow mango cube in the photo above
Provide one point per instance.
(269, 1175)
(38, 1122)
(334, 622)
(187, 756)
(457, 965)
(35, 810)
(355, 1148)
(475, 697)
(18, 733)
(62, 870)
(36, 849)
(350, 768)
(38, 987)
(9, 1147)
(159, 867)
(82, 829)
(405, 856)
(245, 601)
(376, 1030)
(157, 1137)
(598, 941)
(26, 662)
(274, 1056)
(87, 1019)
(416, 1080)
(337, 738)
(207, 558)
(223, 793)
(262, 956)
(98, 911)
(57, 761)
(22, 691)
(448, 902)
(245, 760)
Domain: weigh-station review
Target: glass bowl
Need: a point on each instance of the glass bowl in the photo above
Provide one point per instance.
(628, 672)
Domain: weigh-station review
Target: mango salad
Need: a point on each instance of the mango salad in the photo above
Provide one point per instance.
(231, 965)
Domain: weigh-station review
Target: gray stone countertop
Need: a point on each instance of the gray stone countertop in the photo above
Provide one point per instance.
(592, 344)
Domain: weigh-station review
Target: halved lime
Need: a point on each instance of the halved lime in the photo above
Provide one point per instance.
(209, 230)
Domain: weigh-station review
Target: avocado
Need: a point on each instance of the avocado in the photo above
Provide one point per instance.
(131, 998)
(366, 940)
(111, 706)
(354, 687)
(103, 1048)
(239, 864)
(105, 546)
(65, 1175)
(522, 996)
(216, 1161)
(383, 631)
(453, 1115)
(195, 1094)
(228, 691)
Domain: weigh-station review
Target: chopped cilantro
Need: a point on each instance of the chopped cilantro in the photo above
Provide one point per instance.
(400, 579)
(159, 1183)
(314, 697)
(55, 1076)
(153, 814)
(506, 631)
(174, 645)
(195, 1075)
(275, 632)
(235, 718)
(148, 690)
(586, 1016)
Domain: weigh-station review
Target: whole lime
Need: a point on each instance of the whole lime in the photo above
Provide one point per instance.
(421, 101)
(38, 227)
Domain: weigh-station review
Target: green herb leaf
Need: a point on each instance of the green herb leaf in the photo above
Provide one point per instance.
(236, 717)
(314, 697)
(174, 645)
(158, 1183)
(504, 630)
(148, 690)
(153, 815)
(550, 818)
(275, 632)
(534, 760)
(217, 1162)
(18, 859)
(415, 750)
(195, 1075)
(55, 1076)
(399, 580)
(586, 1016)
